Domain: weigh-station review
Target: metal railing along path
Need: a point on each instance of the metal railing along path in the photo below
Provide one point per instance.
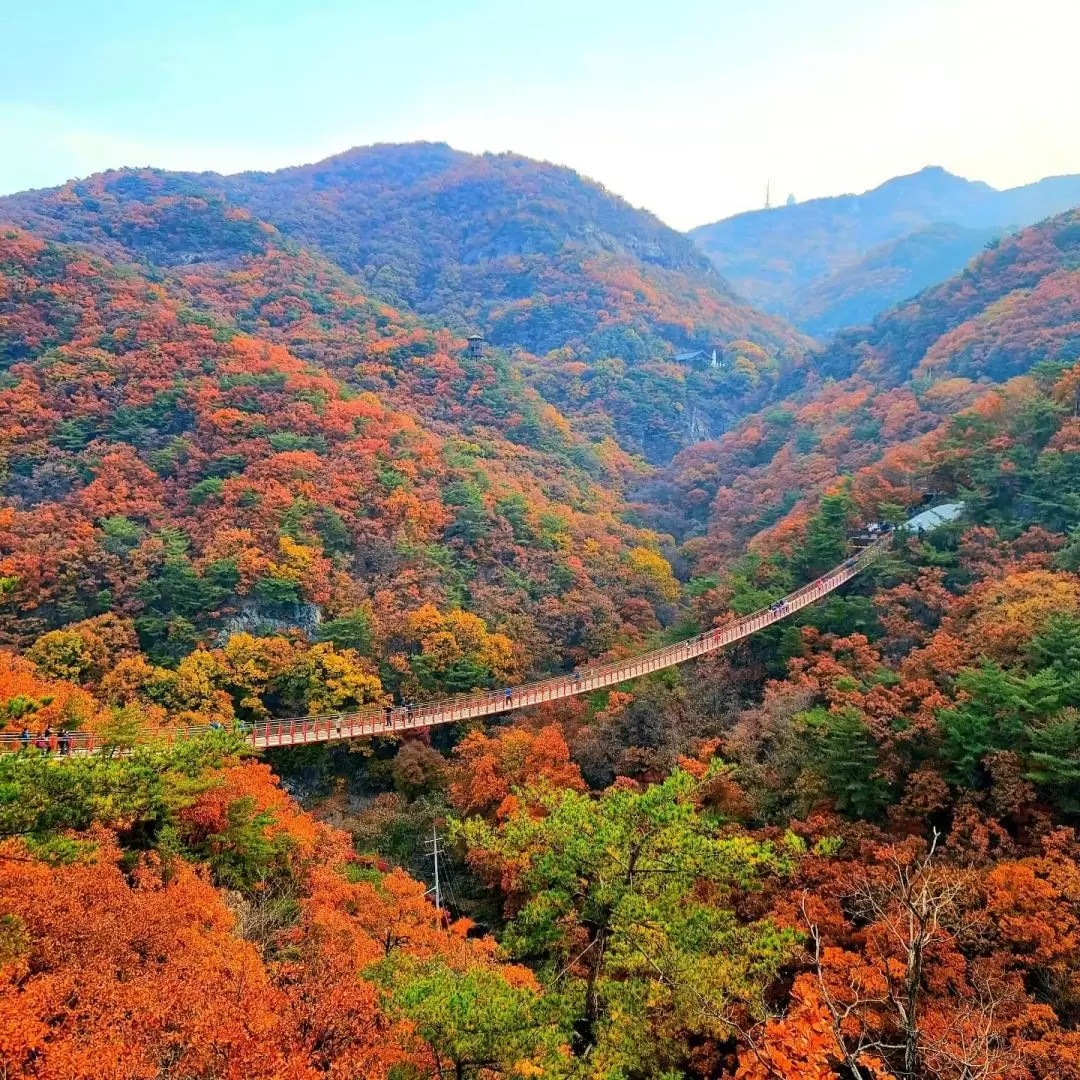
(382, 720)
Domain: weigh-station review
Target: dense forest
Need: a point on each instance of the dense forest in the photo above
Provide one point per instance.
(239, 478)
(595, 297)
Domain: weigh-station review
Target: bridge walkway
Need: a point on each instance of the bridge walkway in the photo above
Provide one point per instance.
(384, 720)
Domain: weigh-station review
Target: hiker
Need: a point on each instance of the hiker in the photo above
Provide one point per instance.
(508, 696)
(388, 717)
(64, 742)
(41, 742)
(24, 738)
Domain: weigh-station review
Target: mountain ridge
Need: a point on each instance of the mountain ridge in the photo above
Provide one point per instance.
(787, 260)
(876, 396)
(594, 296)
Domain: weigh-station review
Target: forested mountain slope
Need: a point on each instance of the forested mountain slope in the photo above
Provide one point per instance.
(195, 451)
(871, 394)
(603, 296)
(844, 847)
(873, 804)
(887, 275)
(835, 262)
(531, 253)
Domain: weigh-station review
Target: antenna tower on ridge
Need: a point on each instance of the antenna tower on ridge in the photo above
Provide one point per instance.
(768, 184)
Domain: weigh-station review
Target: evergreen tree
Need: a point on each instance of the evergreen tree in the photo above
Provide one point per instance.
(826, 542)
(846, 756)
(633, 890)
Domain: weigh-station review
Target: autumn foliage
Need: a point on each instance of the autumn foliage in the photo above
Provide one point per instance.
(235, 484)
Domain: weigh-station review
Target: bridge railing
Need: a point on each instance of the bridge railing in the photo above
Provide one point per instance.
(379, 719)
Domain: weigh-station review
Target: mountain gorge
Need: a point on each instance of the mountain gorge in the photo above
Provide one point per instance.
(250, 468)
(835, 262)
(876, 400)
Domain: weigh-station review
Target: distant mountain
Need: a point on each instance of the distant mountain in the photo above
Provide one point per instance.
(889, 274)
(529, 252)
(445, 232)
(600, 295)
(1015, 306)
(829, 263)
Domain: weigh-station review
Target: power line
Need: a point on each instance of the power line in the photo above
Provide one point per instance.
(451, 887)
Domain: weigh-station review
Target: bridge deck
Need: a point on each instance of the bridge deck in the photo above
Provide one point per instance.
(380, 720)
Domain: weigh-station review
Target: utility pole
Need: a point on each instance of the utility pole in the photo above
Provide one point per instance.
(768, 185)
(434, 853)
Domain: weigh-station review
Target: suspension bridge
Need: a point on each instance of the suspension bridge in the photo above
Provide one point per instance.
(375, 720)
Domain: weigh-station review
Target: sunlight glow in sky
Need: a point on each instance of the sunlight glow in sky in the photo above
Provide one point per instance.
(685, 106)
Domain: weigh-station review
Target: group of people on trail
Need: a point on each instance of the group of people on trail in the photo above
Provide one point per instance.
(46, 740)
(779, 607)
(392, 713)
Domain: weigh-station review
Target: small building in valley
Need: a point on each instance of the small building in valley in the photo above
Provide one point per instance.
(935, 516)
(699, 358)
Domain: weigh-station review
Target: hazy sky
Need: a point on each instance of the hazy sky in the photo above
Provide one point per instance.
(683, 106)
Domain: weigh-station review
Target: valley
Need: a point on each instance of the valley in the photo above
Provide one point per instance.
(417, 502)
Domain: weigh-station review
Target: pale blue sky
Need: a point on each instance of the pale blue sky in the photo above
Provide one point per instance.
(683, 106)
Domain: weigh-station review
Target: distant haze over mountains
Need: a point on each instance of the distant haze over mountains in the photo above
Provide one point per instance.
(834, 262)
